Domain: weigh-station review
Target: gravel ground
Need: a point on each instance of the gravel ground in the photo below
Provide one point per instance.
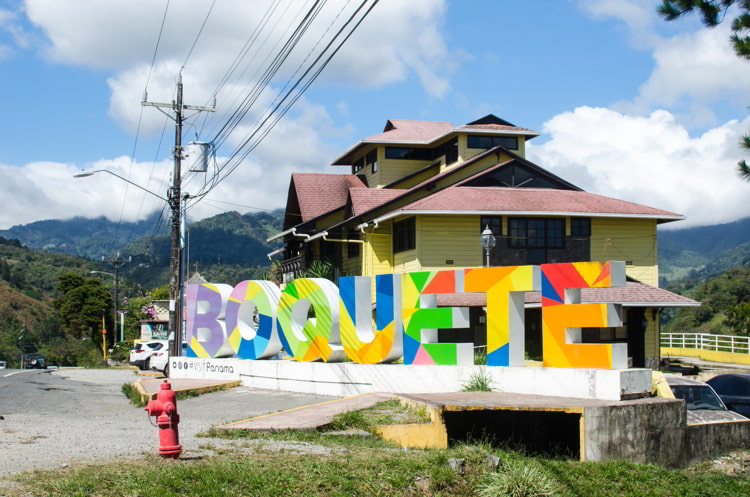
(77, 415)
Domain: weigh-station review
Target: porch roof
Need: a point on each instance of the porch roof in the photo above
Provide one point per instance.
(633, 294)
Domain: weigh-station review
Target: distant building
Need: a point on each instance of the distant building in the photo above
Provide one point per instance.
(420, 193)
(157, 325)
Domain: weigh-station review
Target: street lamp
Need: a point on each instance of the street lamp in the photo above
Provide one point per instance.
(85, 174)
(487, 241)
(176, 204)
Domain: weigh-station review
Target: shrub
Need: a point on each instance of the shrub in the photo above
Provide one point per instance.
(518, 479)
(479, 381)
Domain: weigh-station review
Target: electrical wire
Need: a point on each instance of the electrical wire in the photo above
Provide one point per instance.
(239, 155)
(135, 141)
(200, 31)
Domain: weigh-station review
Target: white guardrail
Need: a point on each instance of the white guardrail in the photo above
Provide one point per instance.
(705, 341)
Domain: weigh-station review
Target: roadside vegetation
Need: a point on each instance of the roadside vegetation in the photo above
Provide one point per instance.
(265, 466)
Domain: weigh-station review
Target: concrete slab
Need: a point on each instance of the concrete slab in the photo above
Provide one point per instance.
(308, 417)
(501, 400)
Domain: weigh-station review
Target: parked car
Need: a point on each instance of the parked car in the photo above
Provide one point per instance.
(34, 361)
(702, 403)
(734, 390)
(160, 361)
(3, 364)
(141, 353)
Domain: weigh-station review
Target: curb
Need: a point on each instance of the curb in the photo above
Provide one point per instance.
(145, 396)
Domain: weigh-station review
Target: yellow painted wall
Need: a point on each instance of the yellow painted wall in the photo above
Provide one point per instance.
(391, 170)
(708, 355)
(379, 257)
(631, 240)
(373, 179)
(442, 238)
(334, 218)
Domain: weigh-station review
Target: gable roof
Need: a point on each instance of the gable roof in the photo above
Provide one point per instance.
(318, 193)
(408, 132)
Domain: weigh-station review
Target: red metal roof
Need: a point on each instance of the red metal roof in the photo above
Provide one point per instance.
(633, 294)
(530, 200)
(319, 193)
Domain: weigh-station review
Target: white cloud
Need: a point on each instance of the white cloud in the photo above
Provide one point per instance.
(650, 160)
(692, 70)
(48, 190)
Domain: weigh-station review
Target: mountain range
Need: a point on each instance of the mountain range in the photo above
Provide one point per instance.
(231, 243)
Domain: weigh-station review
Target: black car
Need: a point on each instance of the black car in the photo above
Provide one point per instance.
(734, 390)
(34, 361)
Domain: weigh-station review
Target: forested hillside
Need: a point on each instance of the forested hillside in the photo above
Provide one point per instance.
(725, 304)
(703, 252)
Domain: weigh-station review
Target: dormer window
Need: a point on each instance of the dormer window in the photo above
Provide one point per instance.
(489, 141)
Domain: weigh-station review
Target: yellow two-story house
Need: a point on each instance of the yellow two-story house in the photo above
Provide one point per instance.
(418, 196)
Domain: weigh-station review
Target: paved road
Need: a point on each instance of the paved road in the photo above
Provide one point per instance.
(79, 415)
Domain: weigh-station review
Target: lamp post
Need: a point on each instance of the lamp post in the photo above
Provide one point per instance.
(487, 241)
(176, 280)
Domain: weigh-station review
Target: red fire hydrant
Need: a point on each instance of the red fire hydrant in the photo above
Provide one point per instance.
(164, 407)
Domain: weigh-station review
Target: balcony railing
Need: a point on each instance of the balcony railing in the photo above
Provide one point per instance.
(291, 268)
(705, 341)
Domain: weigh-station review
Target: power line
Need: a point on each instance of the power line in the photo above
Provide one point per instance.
(200, 31)
(158, 41)
(264, 132)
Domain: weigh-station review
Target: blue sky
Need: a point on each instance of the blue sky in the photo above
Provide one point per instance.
(629, 106)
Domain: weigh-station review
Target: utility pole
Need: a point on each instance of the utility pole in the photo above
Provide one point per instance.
(116, 263)
(174, 198)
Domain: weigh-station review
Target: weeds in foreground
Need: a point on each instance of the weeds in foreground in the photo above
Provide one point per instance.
(132, 394)
(479, 381)
(516, 478)
(286, 470)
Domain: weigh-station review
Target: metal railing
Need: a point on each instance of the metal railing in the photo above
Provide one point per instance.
(705, 341)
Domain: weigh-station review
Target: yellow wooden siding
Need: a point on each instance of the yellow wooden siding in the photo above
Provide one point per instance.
(373, 179)
(445, 238)
(406, 262)
(331, 219)
(392, 170)
(379, 257)
(630, 240)
(417, 179)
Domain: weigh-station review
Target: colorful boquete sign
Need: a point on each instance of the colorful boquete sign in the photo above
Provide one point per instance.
(313, 319)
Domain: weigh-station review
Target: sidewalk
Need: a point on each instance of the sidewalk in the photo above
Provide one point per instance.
(308, 417)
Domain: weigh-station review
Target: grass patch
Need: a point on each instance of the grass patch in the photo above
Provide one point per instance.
(367, 471)
(479, 381)
(133, 394)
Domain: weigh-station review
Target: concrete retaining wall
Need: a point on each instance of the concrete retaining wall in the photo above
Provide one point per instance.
(345, 379)
(654, 431)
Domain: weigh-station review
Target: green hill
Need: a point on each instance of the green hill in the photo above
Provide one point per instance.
(705, 251)
(90, 238)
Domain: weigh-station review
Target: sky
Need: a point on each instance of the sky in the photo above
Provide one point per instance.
(628, 105)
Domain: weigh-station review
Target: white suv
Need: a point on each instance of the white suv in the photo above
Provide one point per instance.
(140, 355)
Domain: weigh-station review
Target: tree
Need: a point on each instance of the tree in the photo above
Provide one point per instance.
(713, 13)
(82, 305)
(738, 318)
